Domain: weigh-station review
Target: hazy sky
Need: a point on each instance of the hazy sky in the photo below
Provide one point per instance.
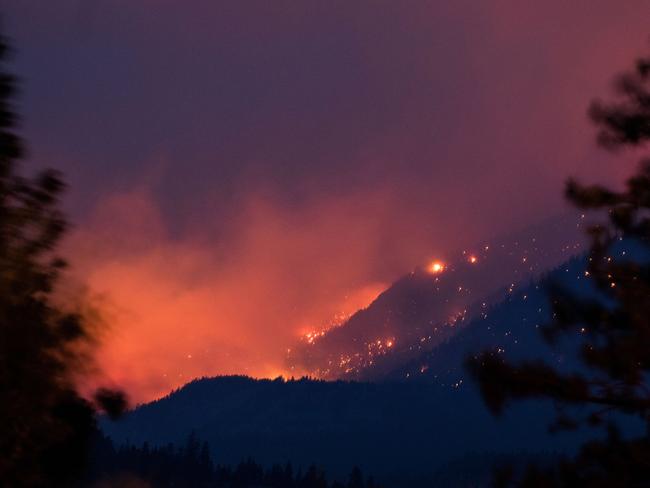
(241, 171)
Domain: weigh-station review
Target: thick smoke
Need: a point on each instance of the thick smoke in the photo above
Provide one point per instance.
(238, 169)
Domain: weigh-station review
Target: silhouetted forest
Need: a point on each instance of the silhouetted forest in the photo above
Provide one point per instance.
(191, 466)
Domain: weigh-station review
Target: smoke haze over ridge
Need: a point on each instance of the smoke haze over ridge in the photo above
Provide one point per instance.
(238, 170)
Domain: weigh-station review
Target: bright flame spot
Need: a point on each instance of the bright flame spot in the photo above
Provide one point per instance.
(436, 267)
(473, 259)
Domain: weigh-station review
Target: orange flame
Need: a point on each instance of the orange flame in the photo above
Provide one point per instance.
(436, 267)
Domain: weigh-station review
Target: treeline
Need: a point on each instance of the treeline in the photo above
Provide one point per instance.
(191, 466)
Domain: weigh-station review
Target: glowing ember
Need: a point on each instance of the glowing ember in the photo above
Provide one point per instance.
(436, 267)
(473, 259)
(311, 337)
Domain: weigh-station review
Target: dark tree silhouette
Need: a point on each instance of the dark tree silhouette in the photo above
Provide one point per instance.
(186, 467)
(46, 424)
(613, 322)
(356, 478)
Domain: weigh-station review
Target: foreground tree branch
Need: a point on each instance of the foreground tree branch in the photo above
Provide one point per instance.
(614, 323)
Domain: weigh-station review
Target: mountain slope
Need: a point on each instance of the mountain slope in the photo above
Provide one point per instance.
(387, 429)
(513, 326)
(430, 304)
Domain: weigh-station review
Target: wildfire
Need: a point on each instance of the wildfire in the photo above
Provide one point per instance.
(473, 259)
(352, 302)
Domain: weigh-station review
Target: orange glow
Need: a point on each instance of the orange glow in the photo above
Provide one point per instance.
(436, 267)
(352, 303)
(473, 259)
(178, 309)
(311, 337)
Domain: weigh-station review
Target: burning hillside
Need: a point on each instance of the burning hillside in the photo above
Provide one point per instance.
(428, 305)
